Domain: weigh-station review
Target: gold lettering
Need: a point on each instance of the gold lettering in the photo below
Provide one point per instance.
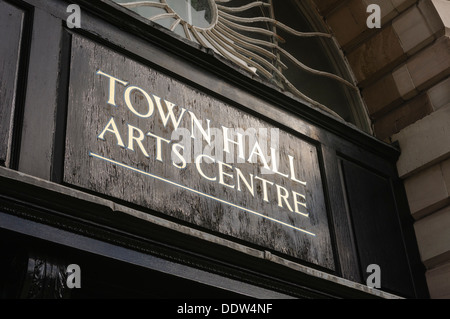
(180, 157)
(138, 139)
(206, 135)
(112, 87)
(291, 164)
(225, 174)
(240, 177)
(170, 114)
(114, 130)
(222, 173)
(273, 155)
(283, 196)
(239, 143)
(296, 203)
(127, 96)
(198, 160)
(158, 145)
(257, 151)
(265, 192)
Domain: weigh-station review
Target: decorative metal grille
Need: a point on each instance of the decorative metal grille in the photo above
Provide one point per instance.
(250, 41)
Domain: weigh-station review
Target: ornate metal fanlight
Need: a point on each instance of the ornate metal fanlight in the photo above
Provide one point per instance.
(219, 25)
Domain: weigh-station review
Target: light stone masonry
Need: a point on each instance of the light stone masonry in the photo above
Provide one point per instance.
(403, 73)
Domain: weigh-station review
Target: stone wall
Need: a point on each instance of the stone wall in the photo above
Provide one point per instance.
(402, 70)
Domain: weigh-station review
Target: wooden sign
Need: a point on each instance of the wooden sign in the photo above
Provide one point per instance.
(139, 135)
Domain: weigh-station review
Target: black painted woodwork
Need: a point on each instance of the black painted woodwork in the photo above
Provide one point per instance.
(364, 211)
(12, 20)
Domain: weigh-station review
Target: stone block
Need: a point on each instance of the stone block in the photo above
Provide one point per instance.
(424, 143)
(430, 65)
(404, 83)
(440, 94)
(403, 116)
(426, 191)
(377, 55)
(401, 5)
(433, 237)
(381, 95)
(438, 280)
(442, 8)
(326, 5)
(348, 21)
(432, 17)
(412, 30)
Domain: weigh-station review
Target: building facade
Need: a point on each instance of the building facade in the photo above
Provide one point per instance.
(402, 70)
(224, 149)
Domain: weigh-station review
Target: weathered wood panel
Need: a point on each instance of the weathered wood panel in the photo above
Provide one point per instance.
(11, 30)
(375, 221)
(39, 118)
(109, 151)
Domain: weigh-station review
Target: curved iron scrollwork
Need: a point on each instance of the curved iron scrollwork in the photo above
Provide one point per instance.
(234, 36)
